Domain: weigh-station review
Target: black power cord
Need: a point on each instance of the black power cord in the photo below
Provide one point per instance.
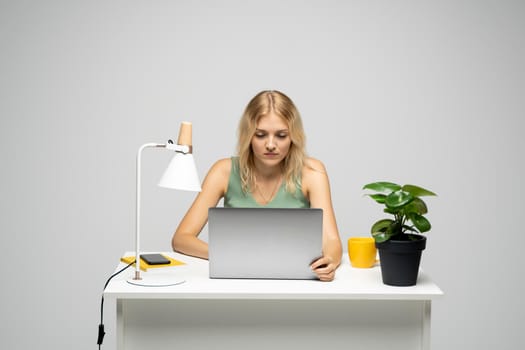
(101, 332)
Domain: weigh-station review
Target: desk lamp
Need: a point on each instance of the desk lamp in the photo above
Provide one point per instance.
(181, 174)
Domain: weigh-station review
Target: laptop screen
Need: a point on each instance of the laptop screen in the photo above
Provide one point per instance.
(264, 242)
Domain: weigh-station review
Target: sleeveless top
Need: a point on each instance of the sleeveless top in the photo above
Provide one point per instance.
(236, 198)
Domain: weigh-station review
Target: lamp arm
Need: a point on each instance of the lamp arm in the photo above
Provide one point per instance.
(168, 145)
(137, 213)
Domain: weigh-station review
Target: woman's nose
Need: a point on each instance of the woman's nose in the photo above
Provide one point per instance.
(270, 145)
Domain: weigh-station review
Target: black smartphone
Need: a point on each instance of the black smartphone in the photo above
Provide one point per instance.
(155, 259)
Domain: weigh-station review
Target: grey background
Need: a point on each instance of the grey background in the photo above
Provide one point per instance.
(429, 93)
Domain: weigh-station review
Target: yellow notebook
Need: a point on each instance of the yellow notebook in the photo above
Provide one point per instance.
(144, 266)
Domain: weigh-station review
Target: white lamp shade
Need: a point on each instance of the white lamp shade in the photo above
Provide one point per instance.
(181, 174)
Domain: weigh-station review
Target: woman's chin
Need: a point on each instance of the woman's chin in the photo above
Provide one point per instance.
(269, 161)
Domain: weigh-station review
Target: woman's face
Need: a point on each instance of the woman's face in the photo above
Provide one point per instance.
(271, 141)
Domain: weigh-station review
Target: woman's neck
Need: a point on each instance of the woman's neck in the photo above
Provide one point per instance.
(263, 172)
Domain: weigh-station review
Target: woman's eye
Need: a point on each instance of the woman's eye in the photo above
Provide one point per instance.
(261, 135)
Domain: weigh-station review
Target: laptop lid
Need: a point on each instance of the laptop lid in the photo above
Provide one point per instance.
(272, 243)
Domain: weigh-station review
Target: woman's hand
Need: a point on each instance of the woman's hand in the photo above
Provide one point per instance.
(324, 268)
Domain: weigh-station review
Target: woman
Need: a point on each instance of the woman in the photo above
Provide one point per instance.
(271, 170)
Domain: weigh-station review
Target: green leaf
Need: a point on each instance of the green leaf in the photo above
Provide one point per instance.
(395, 229)
(416, 206)
(382, 186)
(381, 230)
(398, 199)
(378, 197)
(392, 211)
(417, 191)
(380, 237)
(381, 226)
(420, 222)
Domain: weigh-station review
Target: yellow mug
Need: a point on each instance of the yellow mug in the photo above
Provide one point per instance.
(362, 252)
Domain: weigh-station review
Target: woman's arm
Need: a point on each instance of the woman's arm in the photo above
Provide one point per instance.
(185, 239)
(317, 187)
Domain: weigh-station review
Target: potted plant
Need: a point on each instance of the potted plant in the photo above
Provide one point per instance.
(398, 239)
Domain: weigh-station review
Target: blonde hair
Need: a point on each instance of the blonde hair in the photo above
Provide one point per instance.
(262, 104)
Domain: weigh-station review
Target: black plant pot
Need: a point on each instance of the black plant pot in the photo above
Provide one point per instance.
(399, 260)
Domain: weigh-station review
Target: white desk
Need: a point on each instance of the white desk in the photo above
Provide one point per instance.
(356, 310)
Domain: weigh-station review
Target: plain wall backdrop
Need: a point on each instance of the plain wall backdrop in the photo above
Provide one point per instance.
(429, 93)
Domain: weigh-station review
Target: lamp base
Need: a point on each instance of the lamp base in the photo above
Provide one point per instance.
(156, 281)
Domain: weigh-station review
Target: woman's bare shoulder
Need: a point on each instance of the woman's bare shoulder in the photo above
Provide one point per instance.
(312, 165)
(224, 163)
(217, 177)
(314, 177)
(221, 167)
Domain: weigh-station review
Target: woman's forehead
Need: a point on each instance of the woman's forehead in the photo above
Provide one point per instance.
(271, 121)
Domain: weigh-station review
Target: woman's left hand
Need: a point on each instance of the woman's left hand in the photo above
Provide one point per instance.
(324, 268)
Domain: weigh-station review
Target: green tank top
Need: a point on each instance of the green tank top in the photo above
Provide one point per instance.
(236, 198)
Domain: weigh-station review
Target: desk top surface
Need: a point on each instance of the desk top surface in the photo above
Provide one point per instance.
(350, 283)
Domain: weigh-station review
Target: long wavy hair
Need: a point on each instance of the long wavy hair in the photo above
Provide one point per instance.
(262, 104)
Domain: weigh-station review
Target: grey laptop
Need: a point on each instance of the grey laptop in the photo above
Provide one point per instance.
(264, 242)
